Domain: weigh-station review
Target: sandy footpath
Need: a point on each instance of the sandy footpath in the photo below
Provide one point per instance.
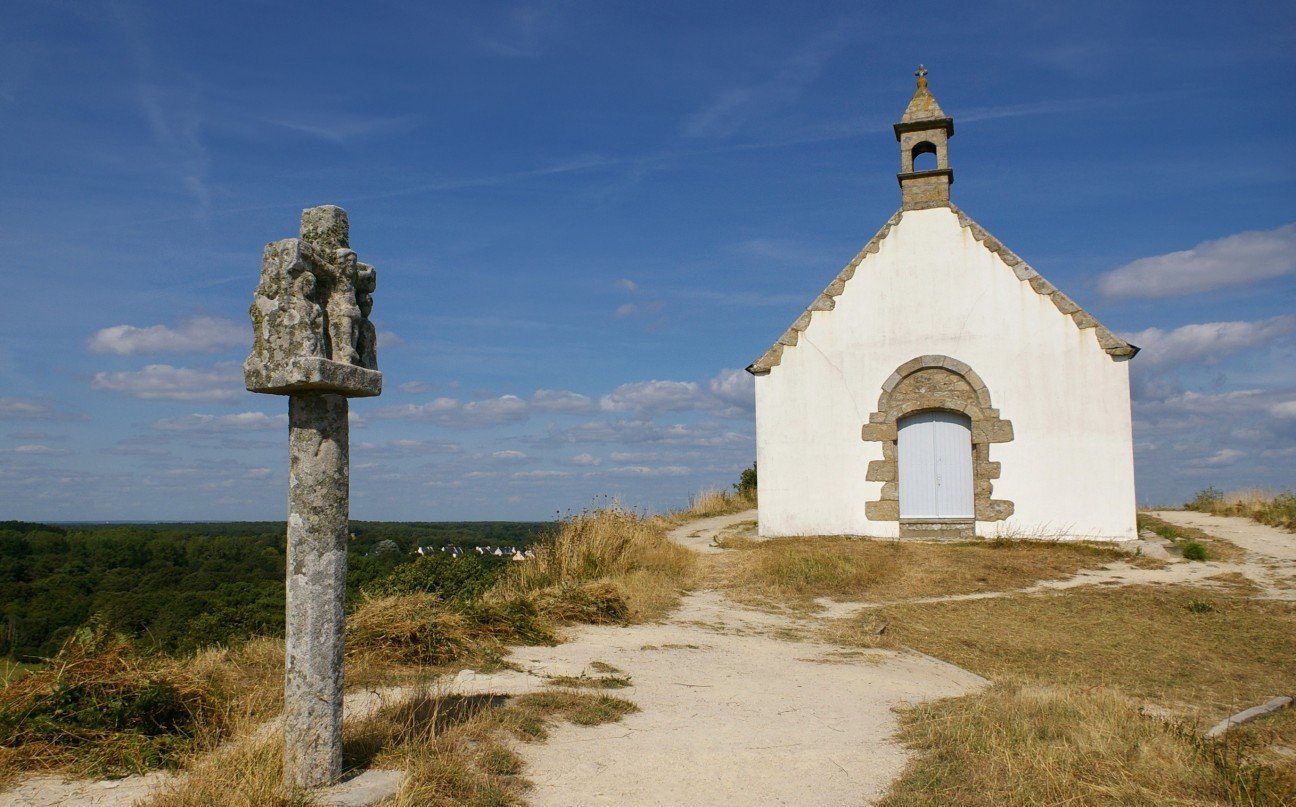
(735, 711)
(1250, 535)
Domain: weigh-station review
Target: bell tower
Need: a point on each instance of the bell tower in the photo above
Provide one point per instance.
(924, 129)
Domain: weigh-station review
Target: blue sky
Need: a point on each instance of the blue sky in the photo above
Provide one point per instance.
(588, 217)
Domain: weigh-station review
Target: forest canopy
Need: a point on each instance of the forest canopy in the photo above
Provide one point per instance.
(183, 586)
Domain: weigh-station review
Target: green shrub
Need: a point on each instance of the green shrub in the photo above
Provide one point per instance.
(1206, 500)
(746, 485)
(462, 578)
(1194, 551)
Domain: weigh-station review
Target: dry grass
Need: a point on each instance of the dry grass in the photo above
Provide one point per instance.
(1147, 641)
(1271, 507)
(1063, 724)
(455, 750)
(709, 503)
(600, 553)
(1216, 548)
(796, 571)
(103, 707)
(1037, 744)
(425, 630)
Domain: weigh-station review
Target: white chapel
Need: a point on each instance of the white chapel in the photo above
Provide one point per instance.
(940, 386)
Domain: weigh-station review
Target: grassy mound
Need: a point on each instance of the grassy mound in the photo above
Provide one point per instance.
(604, 566)
(102, 706)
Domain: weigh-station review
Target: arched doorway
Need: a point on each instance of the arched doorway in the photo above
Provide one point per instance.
(935, 465)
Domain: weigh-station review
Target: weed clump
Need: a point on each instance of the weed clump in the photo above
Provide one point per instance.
(425, 629)
(104, 707)
(1194, 551)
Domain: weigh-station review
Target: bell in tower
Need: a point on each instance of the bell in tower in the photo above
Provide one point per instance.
(924, 129)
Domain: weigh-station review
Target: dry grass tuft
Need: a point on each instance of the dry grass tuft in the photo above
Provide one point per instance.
(798, 570)
(598, 557)
(455, 750)
(464, 758)
(1032, 744)
(424, 629)
(709, 503)
(104, 707)
(1266, 506)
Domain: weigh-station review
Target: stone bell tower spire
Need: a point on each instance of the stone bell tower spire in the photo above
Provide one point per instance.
(924, 129)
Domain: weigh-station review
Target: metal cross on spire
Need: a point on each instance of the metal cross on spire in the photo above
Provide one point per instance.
(921, 73)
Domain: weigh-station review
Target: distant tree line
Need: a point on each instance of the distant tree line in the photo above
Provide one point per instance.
(184, 586)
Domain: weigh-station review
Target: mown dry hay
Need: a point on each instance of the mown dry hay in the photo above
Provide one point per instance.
(1037, 744)
(796, 571)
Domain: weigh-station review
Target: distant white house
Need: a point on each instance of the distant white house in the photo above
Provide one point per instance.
(940, 386)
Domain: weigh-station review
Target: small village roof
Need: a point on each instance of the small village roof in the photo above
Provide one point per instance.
(1112, 344)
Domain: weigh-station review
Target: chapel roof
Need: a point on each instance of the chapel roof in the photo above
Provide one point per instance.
(922, 106)
(1112, 344)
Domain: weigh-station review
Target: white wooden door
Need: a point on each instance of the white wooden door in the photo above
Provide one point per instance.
(935, 459)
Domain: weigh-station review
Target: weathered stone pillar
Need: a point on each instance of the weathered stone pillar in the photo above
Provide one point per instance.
(318, 495)
(313, 342)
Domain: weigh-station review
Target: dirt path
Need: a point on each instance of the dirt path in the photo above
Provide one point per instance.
(735, 710)
(1252, 536)
(700, 535)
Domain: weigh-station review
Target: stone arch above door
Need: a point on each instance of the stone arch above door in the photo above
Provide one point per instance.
(936, 383)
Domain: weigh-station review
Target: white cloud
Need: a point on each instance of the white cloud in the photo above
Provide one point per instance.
(1285, 409)
(509, 457)
(644, 470)
(415, 387)
(627, 285)
(736, 389)
(1208, 341)
(494, 411)
(192, 335)
(36, 450)
(1223, 457)
(625, 310)
(221, 382)
(1235, 260)
(26, 409)
(542, 474)
(585, 460)
(738, 107)
(554, 400)
(451, 413)
(387, 339)
(649, 398)
(243, 421)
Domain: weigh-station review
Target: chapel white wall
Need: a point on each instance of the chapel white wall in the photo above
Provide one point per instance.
(932, 288)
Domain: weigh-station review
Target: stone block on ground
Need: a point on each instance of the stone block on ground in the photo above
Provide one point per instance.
(367, 789)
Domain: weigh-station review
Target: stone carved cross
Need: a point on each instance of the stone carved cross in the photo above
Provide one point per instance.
(313, 341)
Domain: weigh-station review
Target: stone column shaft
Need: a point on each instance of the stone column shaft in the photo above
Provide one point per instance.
(318, 497)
